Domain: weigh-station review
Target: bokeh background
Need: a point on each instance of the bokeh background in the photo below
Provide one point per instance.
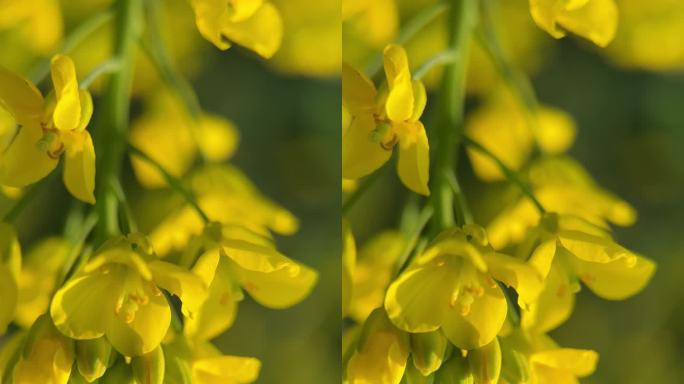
(287, 111)
(628, 103)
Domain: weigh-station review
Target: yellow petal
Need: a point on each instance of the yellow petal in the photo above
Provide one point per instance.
(554, 305)
(427, 350)
(79, 171)
(47, 356)
(480, 325)
(20, 97)
(358, 92)
(360, 154)
(381, 355)
(23, 162)
(145, 332)
(271, 279)
(261, 33)
(595, 20)
(8, 297)
(348, 264)
(225, 370)
(217, 138)
(92, 357)
(592, 248)
(517, 274)
(618, 279)
(400, 100)
(219, 308)
(241, 10)
(67, 114)
(189, 288)
(418, 300)
(579, 362)
(97, 290)
(414, 161)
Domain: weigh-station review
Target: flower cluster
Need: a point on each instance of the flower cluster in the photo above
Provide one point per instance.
(446, 298)
(106, 302)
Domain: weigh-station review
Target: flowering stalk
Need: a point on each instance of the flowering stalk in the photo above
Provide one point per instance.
(114, 123)
(446, 138)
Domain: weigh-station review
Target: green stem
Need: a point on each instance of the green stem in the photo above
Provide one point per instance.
(360, 191)
(26, 199)
(71, 41)
(447, 136)
(108, 67)
(408, 31)
(444, 57)
(466, 217)
(510, 174)
(155, 48)
(115, 116)
(173, 182)
(514, 78)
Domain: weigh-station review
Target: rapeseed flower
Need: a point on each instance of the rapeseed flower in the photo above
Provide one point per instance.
(383, 120)
(121, 285)
(229, 264)
(47, 129)
(595, 20)
(452, 286)
(253, 24)
(572, 250)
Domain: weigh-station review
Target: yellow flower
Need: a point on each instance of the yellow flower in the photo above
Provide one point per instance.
(642, 23)
(254, 24)
(348, 263)
(595, 20)
(228, 265)
(39, 22)
(41, 267)
(541, 360)
(47, 129)
(312, 39)
(366, 27)
(10, 265)
(571, 250)
(372, 274)
(452, 286)
(508, 130)
(47, 355)
(165, 128)
(120, 287)
(229, 197)
(381, 354)
(562, 186)
(377, 127)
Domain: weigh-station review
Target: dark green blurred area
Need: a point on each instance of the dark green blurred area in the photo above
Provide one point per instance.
(290, 147)
(631, 138)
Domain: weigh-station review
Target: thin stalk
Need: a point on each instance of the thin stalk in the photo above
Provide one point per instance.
(71, 264)
(108, 67)
(360, 191)
(465, 215)
(115, 116)
(127, 213)
(408, 31)
(515, 80)
(26, 199)
(441, 58)
(447, 137)
(174, 183)
(71, 41)
(510, 174)
(155, 48)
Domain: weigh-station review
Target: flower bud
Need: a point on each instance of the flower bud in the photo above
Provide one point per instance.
(428, 350)
(92, 357)
(149, 368)
(485, 363)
